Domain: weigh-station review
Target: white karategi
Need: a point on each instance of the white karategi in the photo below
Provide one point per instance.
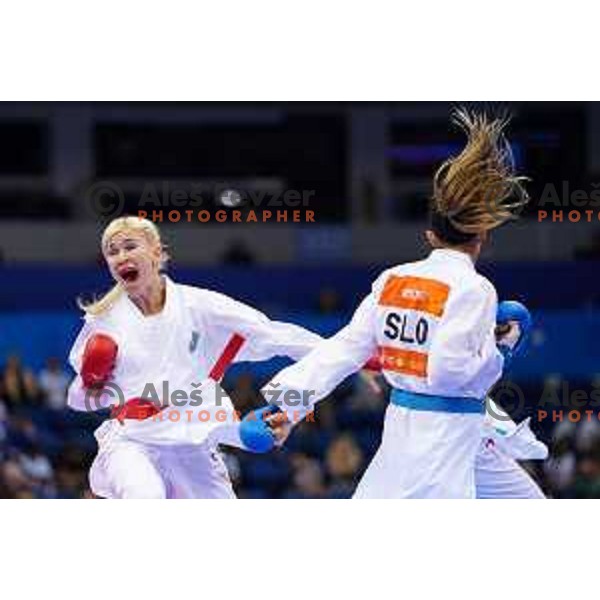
(432, 324)
(168, 457)
(498, 475)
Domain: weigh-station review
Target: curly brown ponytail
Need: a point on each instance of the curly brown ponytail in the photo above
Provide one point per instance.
(477, 190)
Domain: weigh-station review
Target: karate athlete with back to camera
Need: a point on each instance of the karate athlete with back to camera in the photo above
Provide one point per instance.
(432, 323)
(498, 474)
(149, 330)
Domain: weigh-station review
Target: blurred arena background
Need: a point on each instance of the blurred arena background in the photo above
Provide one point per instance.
(366, 169)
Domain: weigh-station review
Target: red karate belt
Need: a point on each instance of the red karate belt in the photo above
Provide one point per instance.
(137, 409)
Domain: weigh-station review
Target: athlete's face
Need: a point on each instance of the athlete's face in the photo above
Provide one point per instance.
(133, 259)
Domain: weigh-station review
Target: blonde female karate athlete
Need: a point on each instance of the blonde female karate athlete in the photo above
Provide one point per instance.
(432, 324)
(162, 347)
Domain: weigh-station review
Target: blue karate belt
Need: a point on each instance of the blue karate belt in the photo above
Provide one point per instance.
(444, 404)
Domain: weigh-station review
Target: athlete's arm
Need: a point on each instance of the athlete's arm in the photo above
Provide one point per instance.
(298, 387)
(463, 355)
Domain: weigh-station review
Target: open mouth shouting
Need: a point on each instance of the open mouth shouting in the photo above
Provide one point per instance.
(128, 273)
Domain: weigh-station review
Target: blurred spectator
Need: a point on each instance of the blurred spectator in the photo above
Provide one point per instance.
(370, 393)
(559, 468)
(54, 382)
(325, 414)
(564, 430)
(587, 436)
(22, 432)
(238, 254)
(344, 461)
(35, 465)
(307, 478)
(15, 481)
(19, 387)
(329, 301)
(70, 482)
(71, 473)
(587, 481)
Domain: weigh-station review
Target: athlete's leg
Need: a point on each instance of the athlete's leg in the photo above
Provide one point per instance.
(423, 455)
(126, 470)
(499, 476)
(195, 472)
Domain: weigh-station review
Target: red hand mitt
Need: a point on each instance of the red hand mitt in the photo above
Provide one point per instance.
(99, 357)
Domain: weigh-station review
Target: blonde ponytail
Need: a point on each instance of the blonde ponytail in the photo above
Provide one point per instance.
(103, 303)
